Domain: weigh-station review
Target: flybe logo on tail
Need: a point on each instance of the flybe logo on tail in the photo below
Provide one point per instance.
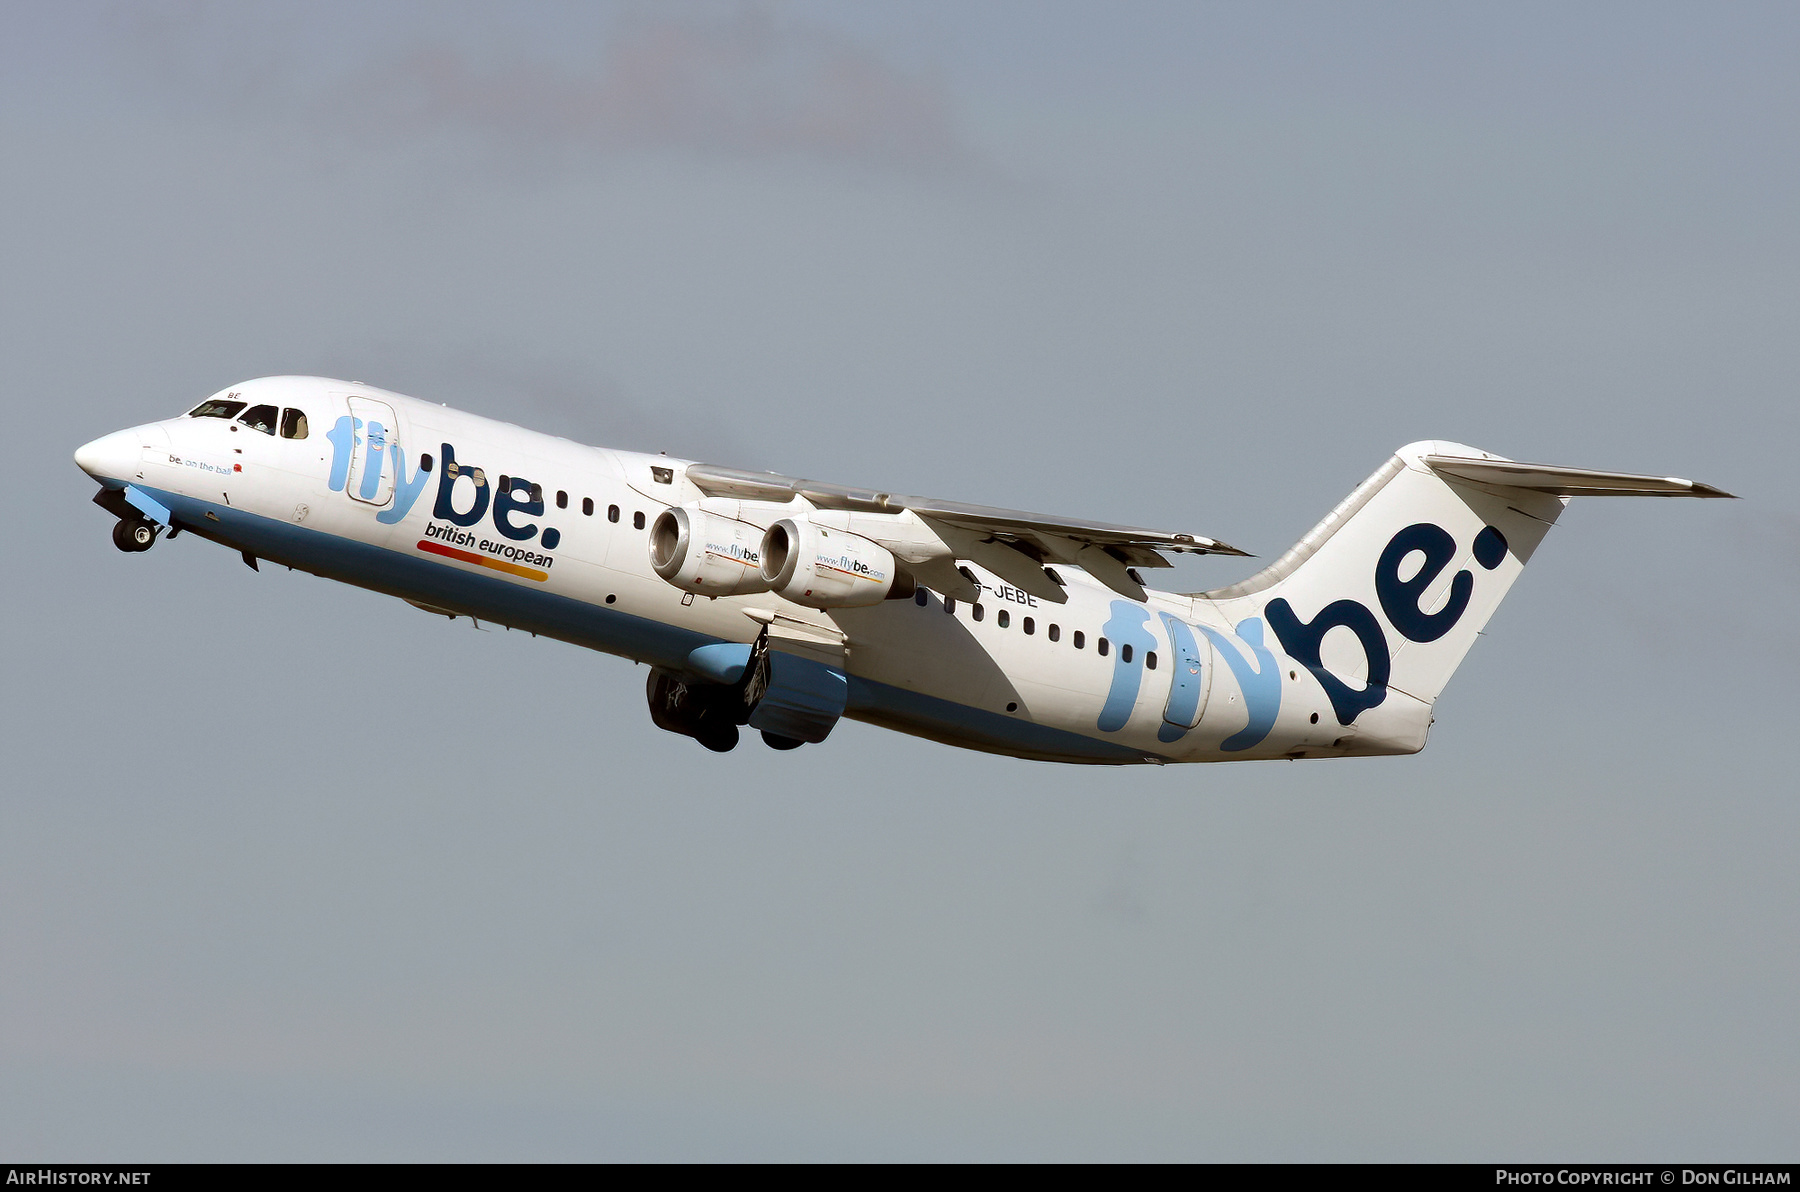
(1400, 601)
(1254, 666)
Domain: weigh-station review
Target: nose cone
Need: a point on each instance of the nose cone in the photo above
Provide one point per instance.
(110, 457)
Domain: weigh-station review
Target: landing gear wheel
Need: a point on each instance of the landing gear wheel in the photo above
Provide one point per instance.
(777, 741)
(720, 740)
(134, 535)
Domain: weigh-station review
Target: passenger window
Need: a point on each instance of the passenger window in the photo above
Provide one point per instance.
(1150, 660)
(637, 521)
(562, 499)
(537, 491)
(612, 513)
(1125, 652)
(261, 418)
(216, 409)
(1080, 639)
(1055, 632)
(1102, 646)
(1005, 618)
(950, 605)
(293, 423)
(975, 610)
(587, 506)
(921, 597)
(1030, 627)
(425, 462)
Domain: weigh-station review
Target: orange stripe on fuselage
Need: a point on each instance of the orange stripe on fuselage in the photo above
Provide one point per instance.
(463, 556)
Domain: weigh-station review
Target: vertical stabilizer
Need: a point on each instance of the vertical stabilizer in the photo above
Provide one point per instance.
(1384, 597)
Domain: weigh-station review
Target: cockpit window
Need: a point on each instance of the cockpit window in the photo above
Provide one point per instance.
(260, 418)
(216, 409)
(293, 424)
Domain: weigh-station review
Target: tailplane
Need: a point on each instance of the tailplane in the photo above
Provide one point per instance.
(1384, 597)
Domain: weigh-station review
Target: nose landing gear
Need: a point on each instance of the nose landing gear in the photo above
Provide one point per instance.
(133, 534)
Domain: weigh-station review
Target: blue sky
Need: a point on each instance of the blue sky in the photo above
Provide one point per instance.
(1200, 266)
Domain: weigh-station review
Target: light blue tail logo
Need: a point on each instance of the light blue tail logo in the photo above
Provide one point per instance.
(1261, 683)
(1252, 665)
(1130, 640)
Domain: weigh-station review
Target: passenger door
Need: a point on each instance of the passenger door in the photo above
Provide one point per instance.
(371, 479)
(1190, 673)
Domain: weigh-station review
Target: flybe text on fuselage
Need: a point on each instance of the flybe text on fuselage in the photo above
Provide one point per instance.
(501, 503)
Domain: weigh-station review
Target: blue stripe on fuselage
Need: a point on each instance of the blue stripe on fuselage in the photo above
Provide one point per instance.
(414, 577)
(610, 630)
(975, 728)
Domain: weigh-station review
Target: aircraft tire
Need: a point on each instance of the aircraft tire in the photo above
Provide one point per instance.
(720, 740)
(777, 741)
(134, 535)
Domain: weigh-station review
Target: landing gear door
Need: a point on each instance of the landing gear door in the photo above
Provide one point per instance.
(371, 480)
(1190, 676)
(797, 687)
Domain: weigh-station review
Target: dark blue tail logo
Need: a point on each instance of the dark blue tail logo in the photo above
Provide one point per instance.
(1399, 600)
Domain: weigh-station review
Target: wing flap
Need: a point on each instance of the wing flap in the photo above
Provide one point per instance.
(1003, 559)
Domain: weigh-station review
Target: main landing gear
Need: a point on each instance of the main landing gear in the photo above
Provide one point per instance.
(710, 713)
(133, 534)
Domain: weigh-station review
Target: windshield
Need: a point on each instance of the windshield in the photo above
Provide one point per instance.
(214, 408)
(260, 418)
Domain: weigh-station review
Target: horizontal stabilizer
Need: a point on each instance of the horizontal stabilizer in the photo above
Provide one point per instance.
(1567, 482)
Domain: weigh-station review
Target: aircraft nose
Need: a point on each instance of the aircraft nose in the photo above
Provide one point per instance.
(110, 457)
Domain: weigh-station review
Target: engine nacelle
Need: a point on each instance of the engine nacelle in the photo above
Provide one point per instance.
(824, 568)
(705, 553)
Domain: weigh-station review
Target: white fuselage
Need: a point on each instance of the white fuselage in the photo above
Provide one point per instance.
(555, 540)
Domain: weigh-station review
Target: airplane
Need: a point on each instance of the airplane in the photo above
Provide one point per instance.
(784, 605)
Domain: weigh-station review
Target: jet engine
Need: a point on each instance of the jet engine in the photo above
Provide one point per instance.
(706, 553)
(824, 568)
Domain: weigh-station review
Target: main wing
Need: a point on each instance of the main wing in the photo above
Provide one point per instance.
(1011, 543)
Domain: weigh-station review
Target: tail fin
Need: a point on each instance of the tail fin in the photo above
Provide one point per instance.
(1384, 597)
